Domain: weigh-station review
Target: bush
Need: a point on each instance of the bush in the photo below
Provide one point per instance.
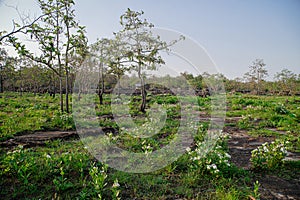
(269, 156)
(215, 162)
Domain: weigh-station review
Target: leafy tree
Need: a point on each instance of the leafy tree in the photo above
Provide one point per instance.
(214, 81)
(101, 51)
(59, 38)
(286, 80)
(196, 82)
(22, 27)
(257, 73)
(142, 47)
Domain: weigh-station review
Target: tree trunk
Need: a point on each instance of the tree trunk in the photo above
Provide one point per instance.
(1, 80)
(101, 92)
(101, 82)
(61, 95)
(53, 91)
(118, 84)
(59, 61)
(67, 91)
(143, 93)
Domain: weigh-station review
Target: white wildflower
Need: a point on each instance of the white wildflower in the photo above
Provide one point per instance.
(214, 166)
(116, 184)
(188, 149)
(227, 155)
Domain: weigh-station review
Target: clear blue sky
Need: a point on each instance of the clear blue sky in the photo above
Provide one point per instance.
(234, 32)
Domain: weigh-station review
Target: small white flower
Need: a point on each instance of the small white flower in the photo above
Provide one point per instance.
(116, 184)
(266, 149)
(214, 166)
(227, 155)
(188, 149)
(282, 149)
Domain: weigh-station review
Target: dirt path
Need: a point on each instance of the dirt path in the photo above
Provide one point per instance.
(272, 187)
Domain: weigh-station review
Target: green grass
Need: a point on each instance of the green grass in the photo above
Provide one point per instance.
(29, 113)
(262, 113)
(62, 169)
(36, 173)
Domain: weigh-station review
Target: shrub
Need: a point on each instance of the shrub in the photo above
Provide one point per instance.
(215, 162)
(269, 155)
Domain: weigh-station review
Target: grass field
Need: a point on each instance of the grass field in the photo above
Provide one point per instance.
(64, 169)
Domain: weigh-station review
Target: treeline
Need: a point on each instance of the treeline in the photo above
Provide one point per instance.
(62, 50)
(23, 75)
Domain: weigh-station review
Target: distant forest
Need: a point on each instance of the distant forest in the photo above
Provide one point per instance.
(24, 75)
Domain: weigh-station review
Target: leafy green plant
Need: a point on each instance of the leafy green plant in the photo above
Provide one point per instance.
(115, 190)
(269, 155)
(13, 160)
(62, 120)
(245, 122)
(281, 109)
(61, 182)
(256, 194)
(214, 162)
(99, 179)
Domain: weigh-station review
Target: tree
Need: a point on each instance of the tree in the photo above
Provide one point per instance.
(118, 63)
(257, 73)
(196, 82)
(18, 28)
(59, 38)
(9, 74)
(101, 51)
(142, 47)
(214, 82)
(287, 80)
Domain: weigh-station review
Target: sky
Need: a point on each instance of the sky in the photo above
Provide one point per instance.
(233, 32)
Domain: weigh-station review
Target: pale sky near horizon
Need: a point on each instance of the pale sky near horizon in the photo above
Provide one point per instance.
(234, 32)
